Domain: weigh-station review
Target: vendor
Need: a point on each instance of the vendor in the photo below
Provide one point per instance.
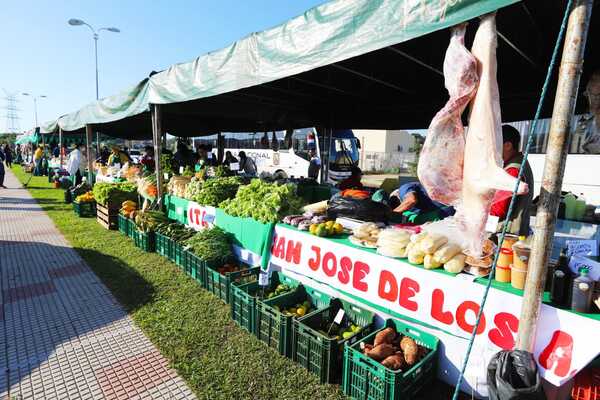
(247, 164)
(147, 160)
(117, 156)
(204, 158)
(353, 181)
(315, 164)
(229, 159)
(412, 200)
(512, 157)
(586, 137)
(75, 164)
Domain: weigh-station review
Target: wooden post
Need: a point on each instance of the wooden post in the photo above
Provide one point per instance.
(157, 134)
(558, 139)
(60, 145)
(88, 150)
(220, 148)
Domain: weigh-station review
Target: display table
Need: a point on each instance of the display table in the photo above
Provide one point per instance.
(443, 302)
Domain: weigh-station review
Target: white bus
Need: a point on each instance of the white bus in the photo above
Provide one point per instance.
(582, 160)
(286, 152)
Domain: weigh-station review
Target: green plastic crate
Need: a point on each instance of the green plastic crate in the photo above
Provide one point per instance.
(164, 245)
(84, 210)
(195, 267)
(178, 255)
(243, 299)
(144, 240)
(275, 328)
(123, 225)
(317, 352)
(366, 379)
(131, 228)
(219, 284)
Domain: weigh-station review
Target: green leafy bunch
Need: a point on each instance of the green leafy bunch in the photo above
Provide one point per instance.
(114, 193)
(211, 245)
(213, 192)
(265, 202)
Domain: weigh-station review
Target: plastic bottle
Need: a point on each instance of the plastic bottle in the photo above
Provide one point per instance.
(583, 288)
(570, 206)
(562, 280)
(580, 207)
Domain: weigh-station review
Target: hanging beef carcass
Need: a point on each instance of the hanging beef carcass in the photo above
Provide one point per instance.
(483, 173)
(440, 168)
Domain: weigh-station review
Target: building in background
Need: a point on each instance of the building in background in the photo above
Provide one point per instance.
(389, 151)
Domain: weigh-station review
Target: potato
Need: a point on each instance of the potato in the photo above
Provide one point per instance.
(385, 336)
(410, 349)
(395, 362)
(381, 352)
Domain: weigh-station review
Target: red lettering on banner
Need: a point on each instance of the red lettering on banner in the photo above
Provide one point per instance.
(196, 213)
(345, 267)
(503, 335)
(280, 249)
(292, 254)
(329, 258)
(387, 279)
(273, 243)
(361, 270)
(437, 308)
(461, 311)
(556, 357)
(314, 263)
(408, 289)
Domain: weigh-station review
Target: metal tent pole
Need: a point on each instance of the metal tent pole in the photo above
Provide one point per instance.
(60, 145)
(88, 149)
(157, 134)
(558, 139)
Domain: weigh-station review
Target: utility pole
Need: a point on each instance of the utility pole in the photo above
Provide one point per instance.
(558, 139)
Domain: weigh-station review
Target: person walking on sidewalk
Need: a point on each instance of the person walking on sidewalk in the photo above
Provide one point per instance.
(2, 158)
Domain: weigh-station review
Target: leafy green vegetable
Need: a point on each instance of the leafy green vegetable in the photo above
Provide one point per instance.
(212, 191)
(114, 193)
(147, 221)
(211, 245)
(265, 202)
(167, 163)
(177, 232)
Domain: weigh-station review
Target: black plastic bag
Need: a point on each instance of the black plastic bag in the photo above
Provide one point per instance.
(513, 375)
(364, 210)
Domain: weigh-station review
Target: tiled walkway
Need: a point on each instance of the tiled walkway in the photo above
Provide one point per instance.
(62, 333)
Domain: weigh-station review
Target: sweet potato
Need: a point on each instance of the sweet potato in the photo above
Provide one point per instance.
(381, 352)
(395, 361)
(385, 336)
(410, 349)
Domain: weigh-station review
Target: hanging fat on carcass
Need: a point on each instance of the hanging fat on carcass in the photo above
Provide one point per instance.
(440, 167)
(483, 173)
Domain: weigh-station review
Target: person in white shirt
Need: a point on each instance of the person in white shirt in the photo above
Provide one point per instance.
(74, 163)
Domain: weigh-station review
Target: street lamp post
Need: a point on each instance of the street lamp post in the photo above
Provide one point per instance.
(78, 22)
(35, 115)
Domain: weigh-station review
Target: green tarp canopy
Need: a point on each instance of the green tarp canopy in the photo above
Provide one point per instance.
(343, 64)
(120, 115)
(28, 138)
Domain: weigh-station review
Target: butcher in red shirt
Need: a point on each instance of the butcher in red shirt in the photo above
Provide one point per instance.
(512, 157)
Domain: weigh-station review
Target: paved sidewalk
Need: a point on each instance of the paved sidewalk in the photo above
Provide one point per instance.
(62, 333)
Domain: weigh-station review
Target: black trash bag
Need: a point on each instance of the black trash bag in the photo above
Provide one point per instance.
(364, 210)
(513, 375)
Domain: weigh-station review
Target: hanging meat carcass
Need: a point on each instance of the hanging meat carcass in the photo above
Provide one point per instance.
(483, 173)
(440, 168)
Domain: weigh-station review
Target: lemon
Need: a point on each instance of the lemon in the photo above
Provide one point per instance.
(300, 311)
(338, 228)
(313, 229)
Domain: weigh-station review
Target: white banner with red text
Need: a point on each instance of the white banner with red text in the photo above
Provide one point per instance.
(565, 341)
(200, 217)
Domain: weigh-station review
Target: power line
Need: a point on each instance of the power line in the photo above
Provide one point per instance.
(11, 112)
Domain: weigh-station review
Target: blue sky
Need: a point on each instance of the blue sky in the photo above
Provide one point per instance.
(42, 54)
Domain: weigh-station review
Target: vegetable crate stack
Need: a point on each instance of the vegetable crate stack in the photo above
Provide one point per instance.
(244, 298)
(84, 209)
(110, 197)
(219, 280)
(318, 339)
(393, 363)
(275, 317)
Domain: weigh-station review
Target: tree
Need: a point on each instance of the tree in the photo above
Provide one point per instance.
(8, 138)
(417, 146)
